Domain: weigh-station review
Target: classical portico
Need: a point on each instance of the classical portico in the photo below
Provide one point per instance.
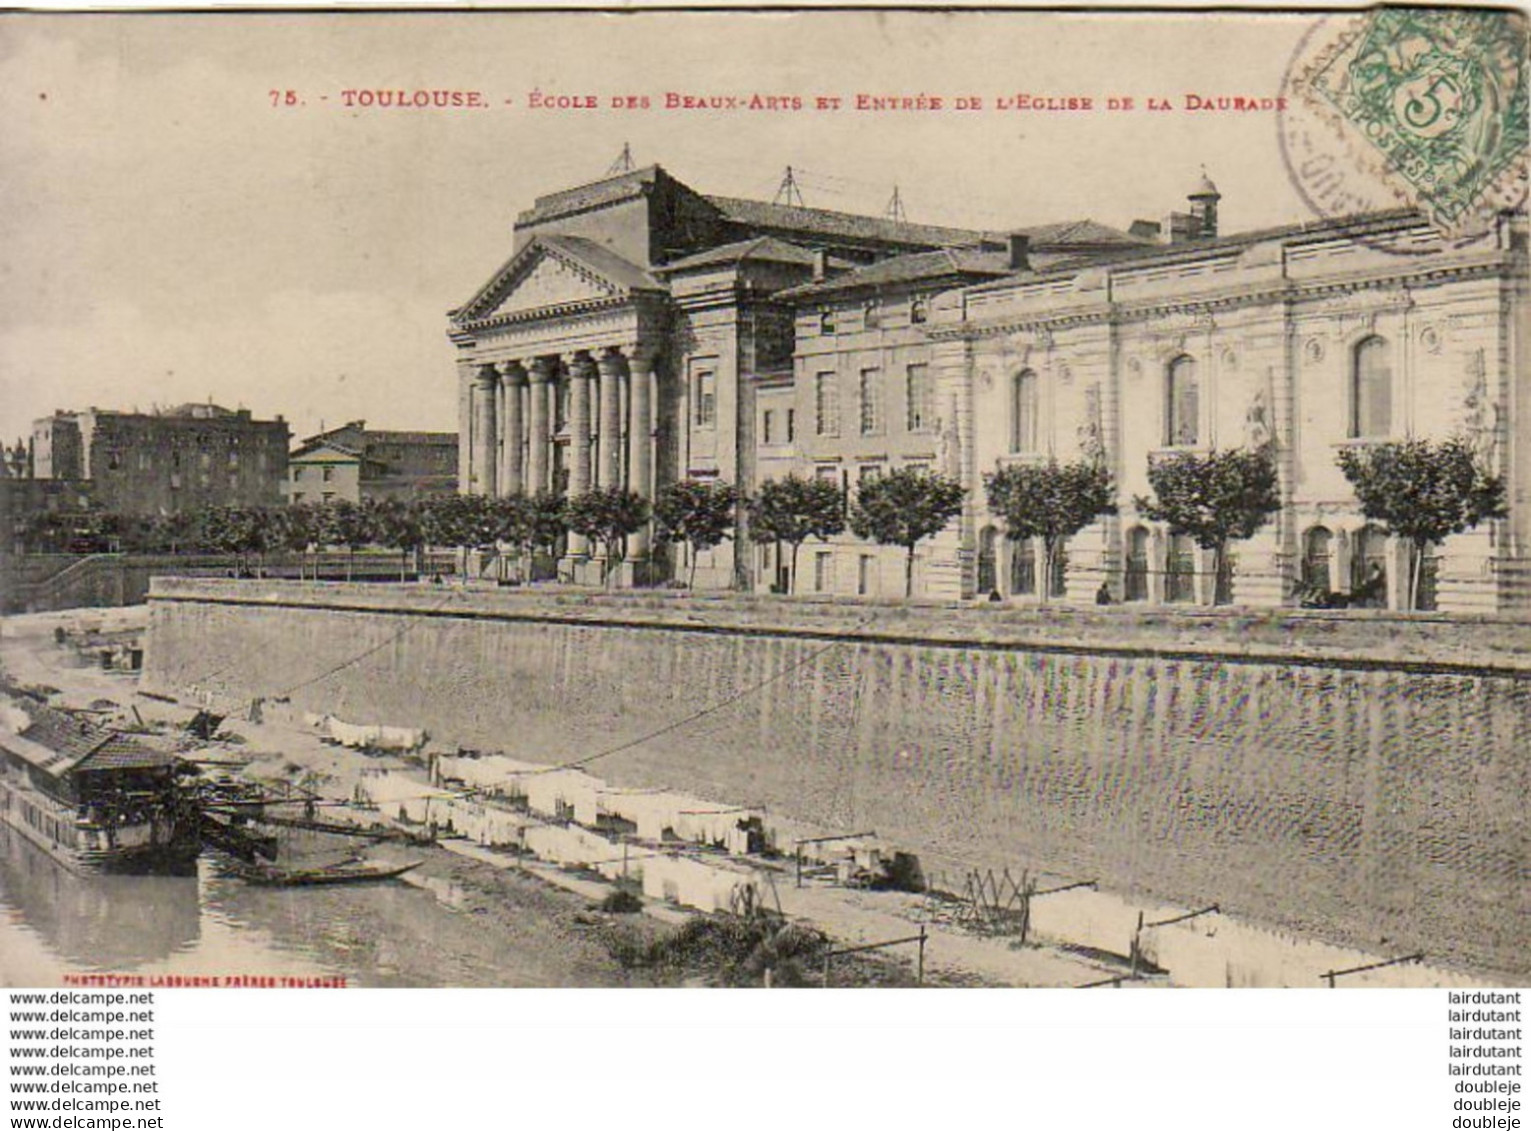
(558, 366)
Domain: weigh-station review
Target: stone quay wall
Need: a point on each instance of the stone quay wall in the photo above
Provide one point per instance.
(1360, 780)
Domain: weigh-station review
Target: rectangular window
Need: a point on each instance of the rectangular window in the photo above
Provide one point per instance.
(866, 575)
(791, 425)
(921, 398)
(871, 473)
(823, 571)
(297, 473)
(871, 401)
(705, 390)
(827, 404)
(768, 427)
(328, 474)
(827, 473)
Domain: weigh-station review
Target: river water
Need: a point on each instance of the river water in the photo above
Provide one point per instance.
(54, 923)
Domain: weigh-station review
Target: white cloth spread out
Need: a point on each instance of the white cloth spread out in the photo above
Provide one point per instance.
(375, 737)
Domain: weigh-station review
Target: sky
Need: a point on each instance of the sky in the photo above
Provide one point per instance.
(169, 234)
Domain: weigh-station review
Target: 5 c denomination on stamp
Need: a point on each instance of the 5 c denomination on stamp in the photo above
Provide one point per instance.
(1411, 107)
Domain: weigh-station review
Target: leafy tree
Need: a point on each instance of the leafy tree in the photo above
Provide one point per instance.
(1052, 501)
(607, 515)
(298, 529)
(903, 508)
(396, 523)
(1422, 492)
(511, 517)
(1217, 498)
(546, 522)
(698, 512)
(174, 533)
(792, 510)
(343, 523)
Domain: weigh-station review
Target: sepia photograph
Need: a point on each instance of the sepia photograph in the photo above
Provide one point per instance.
(800, 498)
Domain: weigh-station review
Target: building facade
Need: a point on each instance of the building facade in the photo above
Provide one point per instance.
(165, 462)
(1313, 339)
(644, 333)
(354, 463)
(625, 340)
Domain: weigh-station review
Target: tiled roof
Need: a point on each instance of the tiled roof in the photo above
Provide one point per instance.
(80, 744)
(429, 439)
(767, 248)
(1077, 233)
(844, 225)
(955, 263)
(1388, 220)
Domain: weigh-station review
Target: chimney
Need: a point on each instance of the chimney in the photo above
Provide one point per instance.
(1020, 250)
(820, 264)
(1145, 230)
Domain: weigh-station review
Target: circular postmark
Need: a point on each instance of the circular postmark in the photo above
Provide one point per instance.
(1399, 109)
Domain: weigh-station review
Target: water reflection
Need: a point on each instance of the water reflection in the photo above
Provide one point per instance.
(97, 922)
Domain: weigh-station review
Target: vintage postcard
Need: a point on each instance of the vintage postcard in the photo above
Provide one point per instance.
(765, 498)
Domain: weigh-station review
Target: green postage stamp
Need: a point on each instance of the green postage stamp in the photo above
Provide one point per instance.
(1423, 107)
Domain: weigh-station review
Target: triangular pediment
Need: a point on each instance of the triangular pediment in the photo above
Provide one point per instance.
(555, 273)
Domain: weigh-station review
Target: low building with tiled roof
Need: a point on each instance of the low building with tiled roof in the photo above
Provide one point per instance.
(353, 463)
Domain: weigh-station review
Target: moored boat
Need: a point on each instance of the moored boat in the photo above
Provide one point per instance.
(92, 798)
(351, 872)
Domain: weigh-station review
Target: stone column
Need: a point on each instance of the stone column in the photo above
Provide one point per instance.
(513, 375)
(608, 472)
(540, 380)
(581, 374)
(640, 466)
(484, 442)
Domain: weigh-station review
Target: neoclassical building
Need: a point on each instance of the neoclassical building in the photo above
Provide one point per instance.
(1314, 337)
(642, 332)
(624, 341)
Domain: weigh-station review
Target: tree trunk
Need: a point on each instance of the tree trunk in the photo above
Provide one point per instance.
(792, 581)
(1045, 581)
(1222, 587)
(1416, 573)
(909, 572)
(691, 574)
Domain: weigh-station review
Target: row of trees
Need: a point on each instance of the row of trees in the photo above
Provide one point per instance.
(1420, 491)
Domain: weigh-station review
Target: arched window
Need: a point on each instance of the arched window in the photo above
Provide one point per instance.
(1317, 551)
(918, 309)
(1181, 404)
(1135, 582)
(1180, 569)
(1023, 567)
(988, 579)
(1023, 412)
(1368, 569)
(1371, 390)
(871, 314)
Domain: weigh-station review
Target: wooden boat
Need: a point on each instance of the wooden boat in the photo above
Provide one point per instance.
(347, 873)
